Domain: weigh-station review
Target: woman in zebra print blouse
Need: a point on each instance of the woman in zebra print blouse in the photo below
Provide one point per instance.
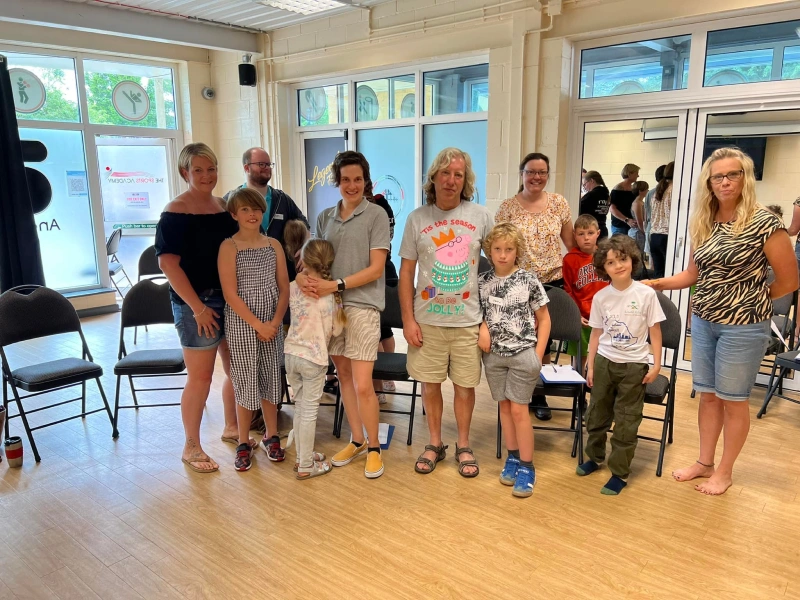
(734, 242)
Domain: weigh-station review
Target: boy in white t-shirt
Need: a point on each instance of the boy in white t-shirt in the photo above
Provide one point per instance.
(622, 316)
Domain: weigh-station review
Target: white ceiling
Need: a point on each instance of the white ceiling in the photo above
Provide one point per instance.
(249, 14)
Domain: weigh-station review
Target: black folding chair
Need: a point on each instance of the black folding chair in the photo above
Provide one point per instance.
(29, 312)
(148, 268)
(147, 303)
(661, 392)
(565, 319)
(114, 266)
(391, 366)
(785, 320)
(787, 363)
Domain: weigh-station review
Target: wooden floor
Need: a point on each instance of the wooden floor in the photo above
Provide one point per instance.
(125, 519)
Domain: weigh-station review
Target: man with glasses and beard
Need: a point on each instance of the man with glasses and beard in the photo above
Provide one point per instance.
(280, 207)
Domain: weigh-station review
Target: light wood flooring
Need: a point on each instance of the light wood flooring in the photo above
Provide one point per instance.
(99, 518)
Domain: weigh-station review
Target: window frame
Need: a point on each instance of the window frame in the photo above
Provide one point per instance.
(90, 132)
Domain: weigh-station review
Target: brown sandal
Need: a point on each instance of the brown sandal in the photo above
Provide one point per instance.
(440, 455)
(470, 462)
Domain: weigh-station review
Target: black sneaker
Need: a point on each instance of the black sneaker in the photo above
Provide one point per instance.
(331, 386)
(540, 409)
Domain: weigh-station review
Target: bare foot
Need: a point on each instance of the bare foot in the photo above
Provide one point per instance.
(693, 472)
(231, 431)
(716, 486)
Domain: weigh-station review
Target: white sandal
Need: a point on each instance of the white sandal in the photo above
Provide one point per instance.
(316, 457)
(318, 468)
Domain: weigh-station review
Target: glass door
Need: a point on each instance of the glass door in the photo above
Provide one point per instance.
(772, 139)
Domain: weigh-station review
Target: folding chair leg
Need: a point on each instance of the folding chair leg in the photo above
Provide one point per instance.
(771, 392)
(336, 411)
(115, 431)
(5, 405)
(411, 415)
(83, 399)
(499, 433)
(105, 403)
(341, 413)
(133, 392)
(24, 423)
(664, 432)
(135, 333)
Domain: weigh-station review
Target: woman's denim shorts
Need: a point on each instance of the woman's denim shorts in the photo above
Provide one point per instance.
(187, 326)
(726, 358)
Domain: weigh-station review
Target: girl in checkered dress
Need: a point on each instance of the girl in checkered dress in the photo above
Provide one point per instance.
(252, 269)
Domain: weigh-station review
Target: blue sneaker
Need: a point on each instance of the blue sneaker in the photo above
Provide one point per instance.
(523, 486)
(509, 474)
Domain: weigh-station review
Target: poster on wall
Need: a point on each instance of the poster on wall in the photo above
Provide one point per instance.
(320, 194)
(134, 182)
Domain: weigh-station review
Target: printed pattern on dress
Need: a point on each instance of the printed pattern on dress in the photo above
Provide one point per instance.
(732, 273)
(508, 305)
(255, 365)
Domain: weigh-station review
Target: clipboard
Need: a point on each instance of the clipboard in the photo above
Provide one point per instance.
(560, 374)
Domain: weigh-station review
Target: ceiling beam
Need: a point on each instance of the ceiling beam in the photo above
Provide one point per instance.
(128, 24)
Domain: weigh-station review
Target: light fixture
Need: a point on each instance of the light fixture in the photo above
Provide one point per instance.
(305, 7)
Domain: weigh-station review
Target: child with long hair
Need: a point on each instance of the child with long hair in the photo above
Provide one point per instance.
(314, 322)
(295, 234)
(255, 283)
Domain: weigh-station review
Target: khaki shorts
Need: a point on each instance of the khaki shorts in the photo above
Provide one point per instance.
(446, 351)
(361, 336)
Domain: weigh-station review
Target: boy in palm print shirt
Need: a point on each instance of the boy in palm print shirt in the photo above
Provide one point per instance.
(513, 342)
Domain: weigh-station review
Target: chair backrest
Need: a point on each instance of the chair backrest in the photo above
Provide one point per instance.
(483, 265)
(42, 312)
(148, 263)
(565, 316)
(147, 303)
(112, 245)
(672, 328)
(782, 306)
(391, 316)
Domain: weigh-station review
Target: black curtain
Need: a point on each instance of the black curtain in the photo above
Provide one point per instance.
(20, 256)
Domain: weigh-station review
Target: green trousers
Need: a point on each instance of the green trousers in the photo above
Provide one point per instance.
(618, 397)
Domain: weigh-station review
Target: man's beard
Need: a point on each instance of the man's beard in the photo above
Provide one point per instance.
(259, 180)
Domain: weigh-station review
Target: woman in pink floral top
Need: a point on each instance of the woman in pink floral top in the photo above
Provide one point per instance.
(544, 220)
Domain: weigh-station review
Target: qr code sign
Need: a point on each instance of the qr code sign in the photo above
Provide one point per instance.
(77, 184)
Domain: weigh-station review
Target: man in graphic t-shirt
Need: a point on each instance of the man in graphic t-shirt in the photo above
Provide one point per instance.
(441, 314)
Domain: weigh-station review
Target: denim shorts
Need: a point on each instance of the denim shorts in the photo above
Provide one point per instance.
(187, 326)
(726, 358)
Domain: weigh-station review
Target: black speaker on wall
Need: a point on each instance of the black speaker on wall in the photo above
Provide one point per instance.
(247, 74)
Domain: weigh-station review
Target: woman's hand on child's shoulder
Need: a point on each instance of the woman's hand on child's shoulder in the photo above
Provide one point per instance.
(656, 284)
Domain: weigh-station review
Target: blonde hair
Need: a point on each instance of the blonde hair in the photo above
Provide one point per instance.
(189, 152)
(442, 161)
(585, 222)
(295, 235)
(629, 170)
(245, 197)
(504, 231)
(706, 203)
(318, 255)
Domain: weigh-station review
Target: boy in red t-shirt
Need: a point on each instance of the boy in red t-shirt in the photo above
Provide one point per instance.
(580, 280)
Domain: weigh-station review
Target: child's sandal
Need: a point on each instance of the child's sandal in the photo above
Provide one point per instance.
(318, 468)
(317, 456)
(431, 464)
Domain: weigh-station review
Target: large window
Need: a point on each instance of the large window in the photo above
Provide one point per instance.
(752, 54)
(635, 68)
(325, 105)
(459, 90)
(83, 109)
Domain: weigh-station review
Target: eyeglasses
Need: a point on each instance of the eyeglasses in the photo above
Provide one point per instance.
(534, 173)
(732, 176)
(262, 165)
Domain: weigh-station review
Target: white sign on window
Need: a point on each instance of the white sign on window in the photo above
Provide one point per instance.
(131, 100)
(28, 90)
(135, 184)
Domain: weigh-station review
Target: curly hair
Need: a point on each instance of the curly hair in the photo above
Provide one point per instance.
(624, 246)
(318, 255)
(504, 231)
(442, 161)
